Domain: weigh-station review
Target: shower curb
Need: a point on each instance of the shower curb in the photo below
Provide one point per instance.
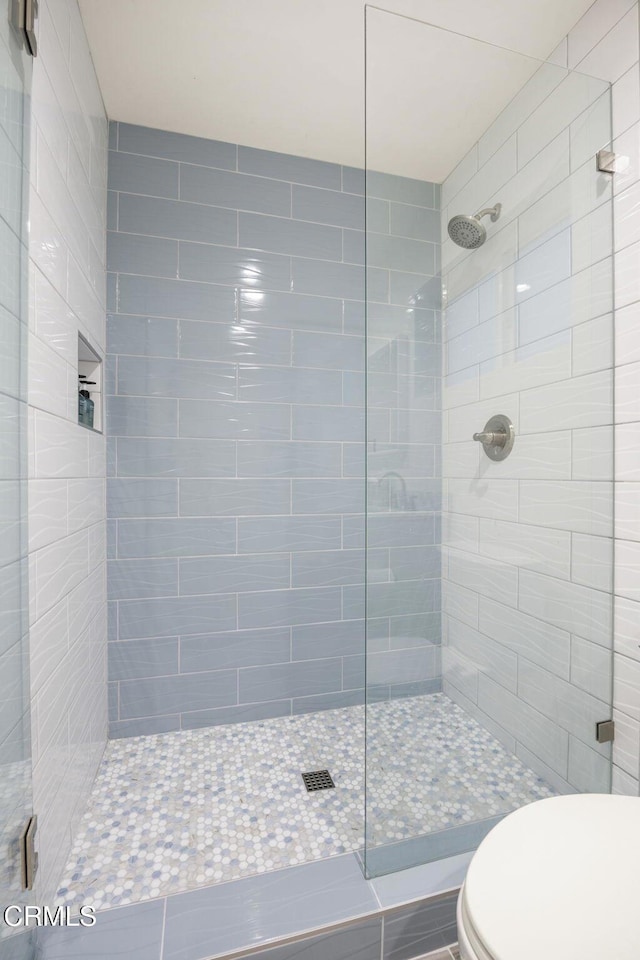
(440, 930)
(328, 904)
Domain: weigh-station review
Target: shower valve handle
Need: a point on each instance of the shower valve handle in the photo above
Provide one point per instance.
(497, 439)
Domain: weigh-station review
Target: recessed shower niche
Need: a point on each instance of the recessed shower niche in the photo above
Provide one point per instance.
(89, 386)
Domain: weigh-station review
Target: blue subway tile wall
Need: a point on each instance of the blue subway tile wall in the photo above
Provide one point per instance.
(236, 420)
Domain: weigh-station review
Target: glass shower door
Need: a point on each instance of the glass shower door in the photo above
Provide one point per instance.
(15, 743)
(489, 580)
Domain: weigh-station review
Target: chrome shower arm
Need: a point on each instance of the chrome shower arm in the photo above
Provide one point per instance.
(493, 212)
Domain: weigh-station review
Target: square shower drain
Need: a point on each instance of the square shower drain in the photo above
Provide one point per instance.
(317, 780)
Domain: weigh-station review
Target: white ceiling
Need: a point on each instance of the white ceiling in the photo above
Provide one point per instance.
(288, 75)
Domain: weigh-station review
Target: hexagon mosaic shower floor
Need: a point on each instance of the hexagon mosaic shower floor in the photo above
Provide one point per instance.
(176, 811)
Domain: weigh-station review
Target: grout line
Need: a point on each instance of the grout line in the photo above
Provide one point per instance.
(338, 190)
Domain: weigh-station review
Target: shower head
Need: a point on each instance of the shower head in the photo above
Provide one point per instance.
(469, 232)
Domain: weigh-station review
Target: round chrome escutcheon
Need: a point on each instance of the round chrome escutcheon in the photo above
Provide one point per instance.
(497, 438)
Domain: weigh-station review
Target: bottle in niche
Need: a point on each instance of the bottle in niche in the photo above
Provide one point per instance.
(85, 403)
(85, 409)
(82, 406)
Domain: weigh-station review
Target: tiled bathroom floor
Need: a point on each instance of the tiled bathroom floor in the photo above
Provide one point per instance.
(180, 810)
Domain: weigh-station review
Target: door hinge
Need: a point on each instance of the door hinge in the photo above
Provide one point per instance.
(606, 161)
(28, 855)
(24, 17)
(605, 731)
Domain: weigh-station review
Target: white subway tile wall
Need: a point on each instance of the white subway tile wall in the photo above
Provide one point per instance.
(235, 416)
(67, 539)
(529, 332)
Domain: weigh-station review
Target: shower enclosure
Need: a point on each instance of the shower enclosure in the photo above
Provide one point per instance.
(489, 569)
(359, 492)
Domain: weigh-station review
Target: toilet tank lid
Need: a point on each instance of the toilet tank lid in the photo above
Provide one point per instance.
(560, 878)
